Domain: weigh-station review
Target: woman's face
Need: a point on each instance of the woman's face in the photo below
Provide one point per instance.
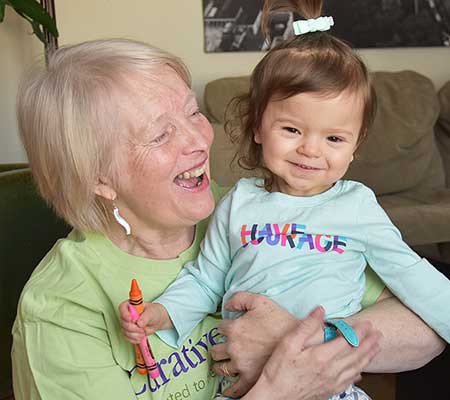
(163, 180)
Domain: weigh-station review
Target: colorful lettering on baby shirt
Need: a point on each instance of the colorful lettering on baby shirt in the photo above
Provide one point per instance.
(291, 235)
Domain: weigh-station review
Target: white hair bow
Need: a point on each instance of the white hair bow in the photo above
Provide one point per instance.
(312, 25)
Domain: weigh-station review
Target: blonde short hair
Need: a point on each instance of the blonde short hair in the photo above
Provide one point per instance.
(69, 120)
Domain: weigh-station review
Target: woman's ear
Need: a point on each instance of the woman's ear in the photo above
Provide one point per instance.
(104, 189)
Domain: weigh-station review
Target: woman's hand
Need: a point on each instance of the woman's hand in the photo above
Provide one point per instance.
(295, 371)
(252, 338)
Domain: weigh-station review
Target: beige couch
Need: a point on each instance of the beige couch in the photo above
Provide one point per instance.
(405, 160)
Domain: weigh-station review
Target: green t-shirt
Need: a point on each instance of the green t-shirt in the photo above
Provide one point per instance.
(67, 338)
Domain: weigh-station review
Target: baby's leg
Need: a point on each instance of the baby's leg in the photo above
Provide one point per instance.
(351, 393)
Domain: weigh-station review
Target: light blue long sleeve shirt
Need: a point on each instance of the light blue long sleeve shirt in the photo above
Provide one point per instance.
(302, 252)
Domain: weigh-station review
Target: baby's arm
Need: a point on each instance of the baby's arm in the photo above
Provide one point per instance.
(154, 318)
(200, 286)
(411, 278)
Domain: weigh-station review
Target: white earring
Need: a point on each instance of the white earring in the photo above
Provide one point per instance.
(121, 221)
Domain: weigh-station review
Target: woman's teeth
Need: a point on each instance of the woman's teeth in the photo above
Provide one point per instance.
(192, 174)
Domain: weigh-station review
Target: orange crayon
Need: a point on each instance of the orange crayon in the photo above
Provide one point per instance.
(136, 297)
(138, 303)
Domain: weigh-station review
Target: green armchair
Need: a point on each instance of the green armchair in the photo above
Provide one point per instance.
(28, 229)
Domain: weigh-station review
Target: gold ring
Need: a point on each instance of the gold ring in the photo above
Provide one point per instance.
(225, 370)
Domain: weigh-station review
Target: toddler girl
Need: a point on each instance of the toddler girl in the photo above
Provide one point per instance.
(301, 235)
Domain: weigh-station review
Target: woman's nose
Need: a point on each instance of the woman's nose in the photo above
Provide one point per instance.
(197, 138)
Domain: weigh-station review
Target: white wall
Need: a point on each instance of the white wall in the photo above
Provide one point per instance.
(18, 48)
(175, 25)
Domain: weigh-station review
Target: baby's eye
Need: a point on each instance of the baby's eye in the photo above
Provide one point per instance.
(291, 130)
(334, 139)
(195, 113)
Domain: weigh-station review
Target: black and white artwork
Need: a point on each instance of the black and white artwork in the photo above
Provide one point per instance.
(235, 25)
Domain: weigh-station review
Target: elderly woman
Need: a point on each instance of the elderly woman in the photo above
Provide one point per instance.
(119, 148)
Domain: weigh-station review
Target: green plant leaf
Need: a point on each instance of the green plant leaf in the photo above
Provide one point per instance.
(2, 10)
(34, 10)
(38, 31)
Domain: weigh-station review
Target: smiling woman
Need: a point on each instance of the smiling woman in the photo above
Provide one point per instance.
(115, 139)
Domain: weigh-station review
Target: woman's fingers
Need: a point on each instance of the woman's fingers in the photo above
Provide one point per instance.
(293, 343)
(225, 368)
(238, 389)
(252, 337)
(219, 352)
(225, 325)
(312, 328)
(243, 301)
(306, 329)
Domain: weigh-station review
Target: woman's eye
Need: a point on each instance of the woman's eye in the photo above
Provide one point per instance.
(160, 138)
(291, 130)
(195, 113)
(334, 139)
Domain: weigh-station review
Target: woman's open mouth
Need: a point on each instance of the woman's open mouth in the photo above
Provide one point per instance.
(191, 179)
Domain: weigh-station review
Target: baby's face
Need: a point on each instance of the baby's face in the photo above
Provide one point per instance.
(308, 140)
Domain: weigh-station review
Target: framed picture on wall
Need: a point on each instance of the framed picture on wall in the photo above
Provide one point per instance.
(235, 25)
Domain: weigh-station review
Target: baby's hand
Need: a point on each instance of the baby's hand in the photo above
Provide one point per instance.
(153, 318)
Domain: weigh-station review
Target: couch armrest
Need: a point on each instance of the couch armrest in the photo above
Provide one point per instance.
(443, 129)
(12, 167)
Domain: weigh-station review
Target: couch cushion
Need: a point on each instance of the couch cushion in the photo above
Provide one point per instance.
(443, 128)
(399, 153)
(220, 92)
(422, 218)
(224, 170)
